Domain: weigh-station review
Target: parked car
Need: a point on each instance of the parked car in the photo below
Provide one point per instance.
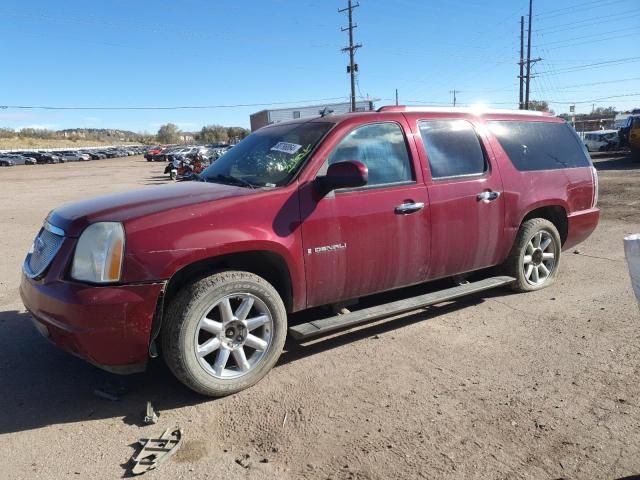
(94, 155)
(44, 158)
(151, 152)
(108, 153)
(162, 155)
(624, 133)
(601, 140)
(6, 161)
(634, 138)
(304, 214)
(71, 157)
(20, 159)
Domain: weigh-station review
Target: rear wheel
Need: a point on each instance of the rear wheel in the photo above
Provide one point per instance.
(224, 333)
(535, 256)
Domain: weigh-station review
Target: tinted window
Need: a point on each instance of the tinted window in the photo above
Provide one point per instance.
(382, 148)
(453, 148)
(540, 145)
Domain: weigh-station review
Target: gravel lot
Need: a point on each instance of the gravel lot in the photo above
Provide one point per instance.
(540, 386)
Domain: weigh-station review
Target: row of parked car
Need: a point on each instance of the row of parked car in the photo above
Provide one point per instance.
(168, 153)
(33, 157)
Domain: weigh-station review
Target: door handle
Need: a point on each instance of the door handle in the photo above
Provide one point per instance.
(409, 207)
(488, 196)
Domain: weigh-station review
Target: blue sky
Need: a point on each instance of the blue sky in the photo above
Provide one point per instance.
(226, 52)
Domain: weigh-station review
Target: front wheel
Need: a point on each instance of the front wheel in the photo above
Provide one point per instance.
(224, 333)
(535, 256)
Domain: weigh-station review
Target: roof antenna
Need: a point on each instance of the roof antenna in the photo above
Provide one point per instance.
(325, 111)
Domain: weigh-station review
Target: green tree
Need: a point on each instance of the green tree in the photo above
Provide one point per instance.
(236, 134)
(213, 134)
(605, 111)
(7, 133)
(539, 105)
(168, 133)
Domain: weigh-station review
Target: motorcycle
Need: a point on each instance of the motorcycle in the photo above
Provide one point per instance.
(185, 168)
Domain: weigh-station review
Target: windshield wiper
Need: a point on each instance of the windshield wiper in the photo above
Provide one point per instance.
(230, 179)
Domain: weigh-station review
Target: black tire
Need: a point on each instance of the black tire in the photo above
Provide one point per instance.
(514, 265)
(181, 322)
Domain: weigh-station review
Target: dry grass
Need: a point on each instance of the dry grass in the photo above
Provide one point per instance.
(18, 143)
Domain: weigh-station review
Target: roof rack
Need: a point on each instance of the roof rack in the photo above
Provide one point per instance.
(472, 110)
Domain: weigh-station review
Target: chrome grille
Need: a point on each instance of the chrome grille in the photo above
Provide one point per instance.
(45, 247)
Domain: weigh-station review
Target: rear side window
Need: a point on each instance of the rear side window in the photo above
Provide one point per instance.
(382, 148)
(453, 148)
(540, 145)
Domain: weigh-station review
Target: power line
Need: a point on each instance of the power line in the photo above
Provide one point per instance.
(598, 99)
(590, 36)
(591, 25)
(597, 40)
(178, 107)
(571, 10)
(620, 61)
(598, 83)
(599, 20)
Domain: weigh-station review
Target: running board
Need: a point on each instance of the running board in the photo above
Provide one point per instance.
(305, 331)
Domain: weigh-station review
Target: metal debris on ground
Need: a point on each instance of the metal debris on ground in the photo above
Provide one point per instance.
(151, 416)
(156, 451)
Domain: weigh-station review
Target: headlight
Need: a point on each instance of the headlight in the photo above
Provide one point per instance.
(99, 253)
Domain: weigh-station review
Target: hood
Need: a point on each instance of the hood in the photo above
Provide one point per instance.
(73, 218)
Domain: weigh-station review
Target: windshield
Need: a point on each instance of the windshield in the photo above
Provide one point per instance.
(269, 157)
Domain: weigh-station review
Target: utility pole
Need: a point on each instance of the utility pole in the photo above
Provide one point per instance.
(529, 60)
(521, 63)
(455, 99)
(526, 100)
(397, 97)
(353, 67)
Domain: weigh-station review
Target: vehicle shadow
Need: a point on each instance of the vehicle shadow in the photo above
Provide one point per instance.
(42, 385)
(616, 163)
(156, 179)
(295, 351)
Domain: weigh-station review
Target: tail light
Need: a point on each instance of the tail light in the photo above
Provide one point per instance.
(594, 177)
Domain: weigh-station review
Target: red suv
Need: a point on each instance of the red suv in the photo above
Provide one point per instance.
(302, 214)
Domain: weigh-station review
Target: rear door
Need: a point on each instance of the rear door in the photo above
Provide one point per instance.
(365, 240)
(465, 194)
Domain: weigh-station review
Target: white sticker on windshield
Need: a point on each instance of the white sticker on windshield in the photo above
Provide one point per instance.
(286, 147)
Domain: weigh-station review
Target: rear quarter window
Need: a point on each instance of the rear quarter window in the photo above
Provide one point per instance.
(540, 145)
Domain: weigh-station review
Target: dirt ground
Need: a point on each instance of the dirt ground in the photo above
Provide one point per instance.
(497, 386)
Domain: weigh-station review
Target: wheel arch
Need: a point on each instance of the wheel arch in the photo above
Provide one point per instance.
(266, 264)
(556, 214)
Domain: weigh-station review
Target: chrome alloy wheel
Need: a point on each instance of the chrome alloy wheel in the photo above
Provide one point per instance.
(539, 258)
(233, 336)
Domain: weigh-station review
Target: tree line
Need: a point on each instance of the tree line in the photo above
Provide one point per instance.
(170, 133)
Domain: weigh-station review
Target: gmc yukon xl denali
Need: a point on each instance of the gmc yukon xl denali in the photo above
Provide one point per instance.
(303, 214)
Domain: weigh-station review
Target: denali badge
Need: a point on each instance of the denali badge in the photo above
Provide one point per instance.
(327, 248)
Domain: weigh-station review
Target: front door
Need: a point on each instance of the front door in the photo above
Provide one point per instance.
(373, 238)
(465, 192)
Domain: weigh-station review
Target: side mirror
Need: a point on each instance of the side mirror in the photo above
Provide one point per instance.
(348, 174)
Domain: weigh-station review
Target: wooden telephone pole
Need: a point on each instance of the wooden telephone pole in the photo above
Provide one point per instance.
(353, 67)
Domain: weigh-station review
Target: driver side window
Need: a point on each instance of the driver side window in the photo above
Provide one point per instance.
(382, 148)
